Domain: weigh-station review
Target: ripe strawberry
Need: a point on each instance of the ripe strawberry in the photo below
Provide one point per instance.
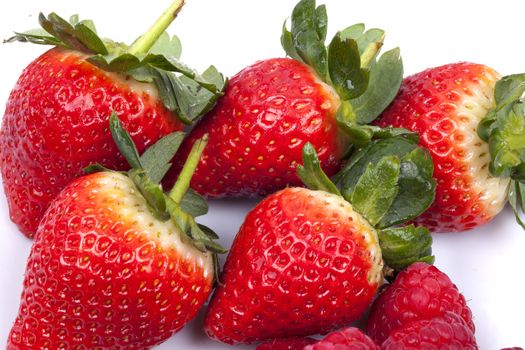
(272, 108)
(306, 261)
(55, 122)
(445, 105)
(348, 339)
(112, 265)
(286, 344)
(421, 292)
(445, 332)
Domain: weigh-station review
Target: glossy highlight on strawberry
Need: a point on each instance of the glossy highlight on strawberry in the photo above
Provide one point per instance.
(258, 129)
(293, 271)
(98, 276)
(56, 123)
(322, 94)
(56, 118)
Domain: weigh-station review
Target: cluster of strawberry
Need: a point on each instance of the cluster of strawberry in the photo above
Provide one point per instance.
(346, 152)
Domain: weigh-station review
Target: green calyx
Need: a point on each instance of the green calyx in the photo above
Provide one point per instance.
(504, 130)
(389, 182)
(365, 83)
(181, 205)
(153, 57)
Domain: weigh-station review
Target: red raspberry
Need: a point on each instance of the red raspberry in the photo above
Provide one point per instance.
(345, 339)
(446, 332)
(421, 292)
(286, 344)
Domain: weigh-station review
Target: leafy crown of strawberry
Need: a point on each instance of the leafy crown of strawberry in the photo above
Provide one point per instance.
(181, 205)
(504, 130)
(365, 83)
(153, 57)
(388, 182)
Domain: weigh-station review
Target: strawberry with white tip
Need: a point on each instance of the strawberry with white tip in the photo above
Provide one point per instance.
(308, 261)
(56, 118)
(116, 262)
(473, 124)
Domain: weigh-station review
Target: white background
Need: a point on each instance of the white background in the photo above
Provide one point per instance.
(486, 264)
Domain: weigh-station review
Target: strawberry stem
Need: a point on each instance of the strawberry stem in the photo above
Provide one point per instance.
(183, 181)
(146, 41)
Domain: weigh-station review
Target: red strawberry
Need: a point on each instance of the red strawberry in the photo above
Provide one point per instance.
(286, 344)
(307, 261)
(56, 118)
(445, 332)
(445, 105)
(272, 108)
(421, 292)
(112, 268)
(348, 339)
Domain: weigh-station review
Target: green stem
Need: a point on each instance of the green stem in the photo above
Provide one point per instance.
(370, 52)
(183, 181)
(146, 41)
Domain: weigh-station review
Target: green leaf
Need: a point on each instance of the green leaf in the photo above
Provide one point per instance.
(385, 79)
(311, 173)
(79, 37)
(199, 235)
(416, 189)
(415, 182)
(208, 231)
(376, 189)
(516, 200)
(156, 160)
(507, 139)
(403, 246)
(308, 33)
(369, 43)
(124, 142)
(509, 88)
(321, 19)
(194, 204)
(152, 192)
(312, 52)
(288, 44)
(344, 66)
(166, 46)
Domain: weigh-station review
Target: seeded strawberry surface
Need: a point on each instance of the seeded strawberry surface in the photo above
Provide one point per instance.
(258, 129)
(302, 263)
(444, 105)
(56, 123)
(420, 292)
(104, 273)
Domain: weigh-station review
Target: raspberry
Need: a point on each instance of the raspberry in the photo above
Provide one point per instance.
(449, 331)
(286, 344)
(421, 292)
(348, 339)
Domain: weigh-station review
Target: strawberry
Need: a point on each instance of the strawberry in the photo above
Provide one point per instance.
(446, 105)
(272, 108)
(55, 122)
(445, 332)
(421, 292)
(286, 344)
(116, 263)
(350, 338)
(306, 261)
